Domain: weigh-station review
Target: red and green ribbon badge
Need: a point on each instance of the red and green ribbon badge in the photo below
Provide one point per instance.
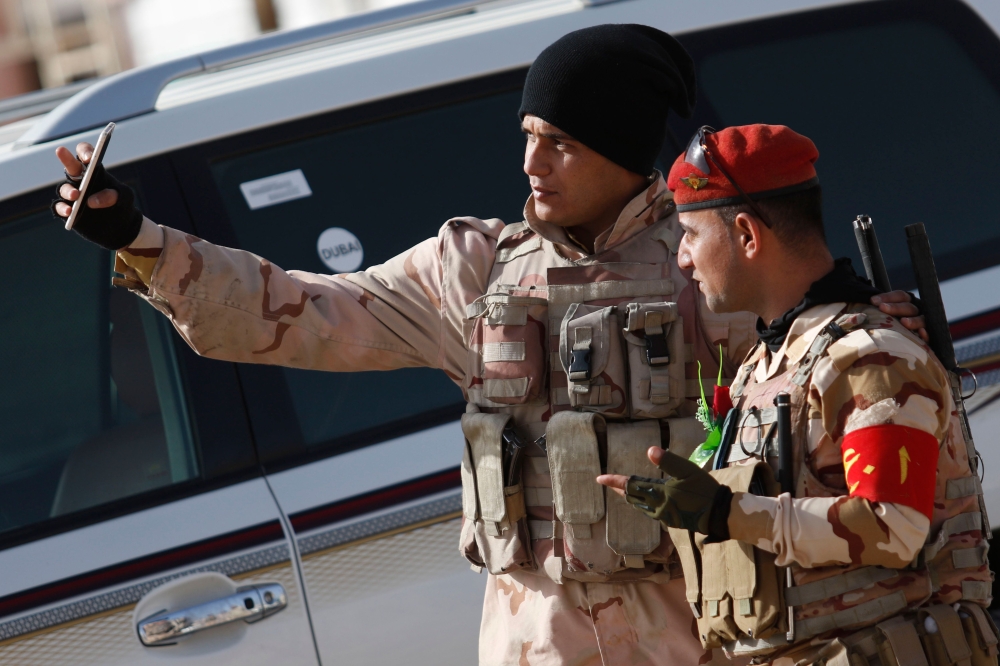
(711, 417)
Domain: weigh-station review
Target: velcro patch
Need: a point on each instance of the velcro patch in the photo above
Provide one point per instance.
(892, 463)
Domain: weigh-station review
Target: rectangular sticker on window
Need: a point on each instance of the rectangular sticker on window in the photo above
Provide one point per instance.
(277, 189)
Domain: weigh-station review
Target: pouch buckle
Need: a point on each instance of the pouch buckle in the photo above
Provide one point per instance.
(657, 352)
(579, 369)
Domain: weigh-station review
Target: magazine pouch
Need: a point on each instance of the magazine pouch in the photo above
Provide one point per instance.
(591, 356)
(654, 340)
(630, 533)
(501, 526)
(740, 593)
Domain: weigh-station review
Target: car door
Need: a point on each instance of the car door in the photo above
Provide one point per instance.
(129, 485)
(366, 464)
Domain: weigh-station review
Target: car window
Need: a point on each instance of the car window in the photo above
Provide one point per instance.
(91, 408)
(905, 123)
(389, 185)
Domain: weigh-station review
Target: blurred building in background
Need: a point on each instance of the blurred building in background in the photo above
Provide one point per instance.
(51, 43)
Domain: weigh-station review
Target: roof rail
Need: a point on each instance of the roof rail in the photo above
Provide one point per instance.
(37, 102)
(134, 92)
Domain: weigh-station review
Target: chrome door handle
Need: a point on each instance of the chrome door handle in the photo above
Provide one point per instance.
(250, 603)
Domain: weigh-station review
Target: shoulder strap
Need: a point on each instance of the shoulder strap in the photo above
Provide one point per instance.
(832, 332)
(743, 377)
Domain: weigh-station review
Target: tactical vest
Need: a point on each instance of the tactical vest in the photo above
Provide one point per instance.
(746, 609)
(592, 362)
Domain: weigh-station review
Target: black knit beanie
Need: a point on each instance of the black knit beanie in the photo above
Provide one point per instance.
(610, 86)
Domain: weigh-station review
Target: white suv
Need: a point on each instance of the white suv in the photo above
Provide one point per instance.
(304, 517)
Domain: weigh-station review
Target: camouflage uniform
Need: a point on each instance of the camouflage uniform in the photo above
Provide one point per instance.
(476, 302)
(856, 561)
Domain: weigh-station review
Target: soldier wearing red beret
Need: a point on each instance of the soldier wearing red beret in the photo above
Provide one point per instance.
(877, 554)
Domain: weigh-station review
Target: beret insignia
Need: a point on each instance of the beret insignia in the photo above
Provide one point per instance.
(694, 182)
(766, 160)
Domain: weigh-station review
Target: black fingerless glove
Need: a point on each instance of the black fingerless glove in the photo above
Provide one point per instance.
(689, 498)
(112, 228)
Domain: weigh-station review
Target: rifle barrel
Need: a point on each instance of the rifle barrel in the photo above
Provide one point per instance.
(866, 254)
(878, 265)
(871, 254)
(930, 295)
(783, 403)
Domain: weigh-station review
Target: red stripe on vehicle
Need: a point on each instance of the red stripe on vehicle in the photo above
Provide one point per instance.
(142, 567)
(976, 324)
(376, 499)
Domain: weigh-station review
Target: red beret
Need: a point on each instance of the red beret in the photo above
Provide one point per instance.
(764, 161)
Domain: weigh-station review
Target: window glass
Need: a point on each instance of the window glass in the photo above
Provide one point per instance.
(905, 124)
(392, 184)
(91, 409)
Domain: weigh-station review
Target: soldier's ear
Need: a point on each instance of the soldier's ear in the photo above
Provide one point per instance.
(746, 227)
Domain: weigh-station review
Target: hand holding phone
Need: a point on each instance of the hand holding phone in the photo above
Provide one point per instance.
(92, 202)
(95, 161)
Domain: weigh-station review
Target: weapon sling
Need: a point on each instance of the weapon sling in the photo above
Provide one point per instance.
(932, 306)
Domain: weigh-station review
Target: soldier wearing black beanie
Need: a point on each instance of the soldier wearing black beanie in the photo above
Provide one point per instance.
(610, 87)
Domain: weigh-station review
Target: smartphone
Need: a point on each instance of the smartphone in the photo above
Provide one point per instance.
(102, 147)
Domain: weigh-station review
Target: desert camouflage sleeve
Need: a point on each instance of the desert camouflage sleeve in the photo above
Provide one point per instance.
(233, 305)
(878, 381)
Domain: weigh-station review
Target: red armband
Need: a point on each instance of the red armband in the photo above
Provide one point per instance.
(892, 463)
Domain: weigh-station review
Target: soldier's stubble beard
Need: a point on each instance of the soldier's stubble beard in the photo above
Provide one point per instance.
(726, 286)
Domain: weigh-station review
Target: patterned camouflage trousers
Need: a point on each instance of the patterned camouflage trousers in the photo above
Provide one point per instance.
(530, 620)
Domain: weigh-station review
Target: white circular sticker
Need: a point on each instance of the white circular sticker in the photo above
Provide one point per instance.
(340, 250)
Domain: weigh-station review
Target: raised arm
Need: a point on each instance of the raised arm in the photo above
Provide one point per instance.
(233, 305)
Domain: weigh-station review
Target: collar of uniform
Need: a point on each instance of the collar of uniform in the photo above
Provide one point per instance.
(552, 233)
(800, 337)
(646, 208)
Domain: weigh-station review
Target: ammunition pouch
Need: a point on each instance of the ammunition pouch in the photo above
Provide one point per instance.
(495, 530)
(601, 533)
(734, 589)
(941, 635)
(613, 354)
(654, 341)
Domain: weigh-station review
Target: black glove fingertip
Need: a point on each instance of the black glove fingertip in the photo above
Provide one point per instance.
(52, 207)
